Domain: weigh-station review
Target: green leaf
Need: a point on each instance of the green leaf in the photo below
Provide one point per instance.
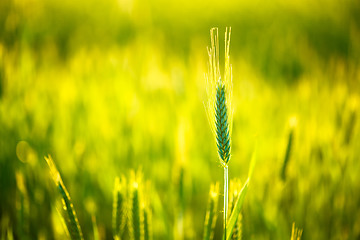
(235, 213)
(240, 200)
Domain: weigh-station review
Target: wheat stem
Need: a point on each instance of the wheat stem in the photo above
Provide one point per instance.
(219, 105)
(226, 196)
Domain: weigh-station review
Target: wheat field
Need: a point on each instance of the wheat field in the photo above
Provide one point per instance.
(109, 128)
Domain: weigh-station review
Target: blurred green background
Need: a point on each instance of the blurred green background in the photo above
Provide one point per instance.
(114, 85)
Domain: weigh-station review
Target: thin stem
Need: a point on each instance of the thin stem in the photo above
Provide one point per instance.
(226, 196)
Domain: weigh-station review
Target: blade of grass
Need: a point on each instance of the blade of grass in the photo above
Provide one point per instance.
(237, 208)
(240, 200)
(69, 213)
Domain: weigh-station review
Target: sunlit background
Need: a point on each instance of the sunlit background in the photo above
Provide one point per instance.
(109, 86)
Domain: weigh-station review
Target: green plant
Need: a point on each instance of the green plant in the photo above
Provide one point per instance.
(219, 106)
(67, 211)
(119, 207)
(235, 187)
(237, 206)
(135, 213)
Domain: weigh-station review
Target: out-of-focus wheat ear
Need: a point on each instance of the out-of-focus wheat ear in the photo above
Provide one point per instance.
(147, 223)
(118, 215)
(292, 123)
(135, 223)
(295, 233)
(146, 211)
(211, 212)
(68, 212)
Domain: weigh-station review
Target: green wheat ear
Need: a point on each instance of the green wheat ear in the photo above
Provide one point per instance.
(135, 213)
(222, 124)
(147, 223)
(68, 212)
(118, 217)
(211, 212)
(219, 90)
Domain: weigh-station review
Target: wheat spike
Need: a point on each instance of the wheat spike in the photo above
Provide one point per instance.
(219, 105)
(219, 90)
(136, 229)
(118, 216)
(222, 124)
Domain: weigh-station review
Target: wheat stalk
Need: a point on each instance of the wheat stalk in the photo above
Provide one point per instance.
(219, 105)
